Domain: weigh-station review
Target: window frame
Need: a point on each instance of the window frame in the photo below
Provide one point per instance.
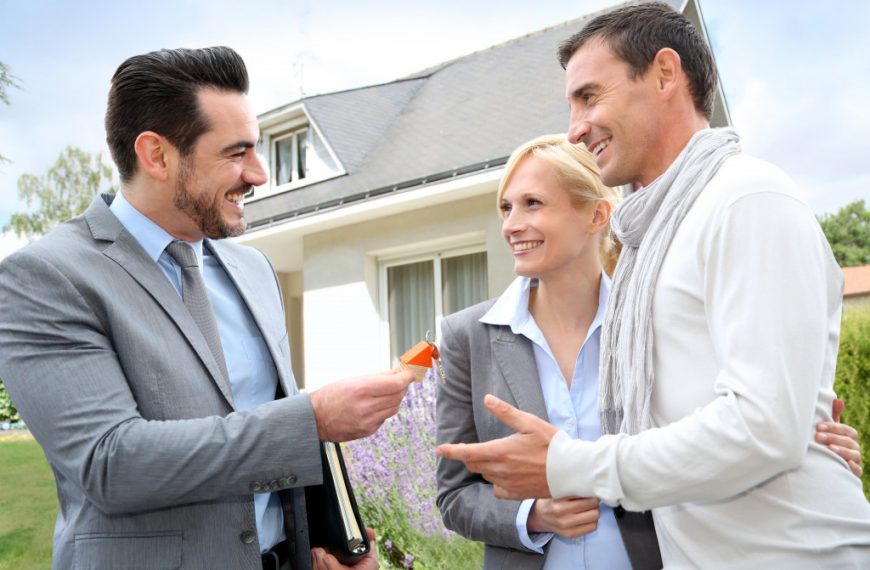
(433, 255)
(289, 124)
(293, 135)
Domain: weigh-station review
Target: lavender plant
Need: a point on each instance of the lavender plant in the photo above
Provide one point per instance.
(393, 474)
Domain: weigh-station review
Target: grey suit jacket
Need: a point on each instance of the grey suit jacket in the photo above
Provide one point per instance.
(482, 359)
(154, 468)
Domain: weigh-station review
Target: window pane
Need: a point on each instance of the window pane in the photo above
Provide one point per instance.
(463, 281)
(411, 296)
(284, 161)
(302, 141)
(316, 159)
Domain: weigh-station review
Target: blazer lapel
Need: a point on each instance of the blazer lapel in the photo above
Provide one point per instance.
(516, 362)
(247, 288)
(126, 252)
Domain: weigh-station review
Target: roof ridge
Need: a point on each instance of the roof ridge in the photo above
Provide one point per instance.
(305, 98)
(427, 72)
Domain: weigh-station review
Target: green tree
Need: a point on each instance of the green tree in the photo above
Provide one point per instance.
(7, 81)
(63, 192)
(848, 232)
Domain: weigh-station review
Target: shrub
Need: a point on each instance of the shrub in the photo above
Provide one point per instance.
(8, 413)
(393, 474)
(853, 378)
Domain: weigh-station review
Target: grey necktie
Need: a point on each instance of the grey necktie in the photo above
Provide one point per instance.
(195, 297)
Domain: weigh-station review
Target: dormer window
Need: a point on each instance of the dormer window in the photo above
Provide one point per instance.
(289, 157)
(300, 154)
(295, 152)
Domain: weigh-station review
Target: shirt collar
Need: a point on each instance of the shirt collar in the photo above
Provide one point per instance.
(150, 236)
(512, 307)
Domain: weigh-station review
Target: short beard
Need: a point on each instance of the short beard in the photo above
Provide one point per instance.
(204, 209)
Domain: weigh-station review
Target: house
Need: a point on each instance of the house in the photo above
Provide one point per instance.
(380, 214)
(856, 290)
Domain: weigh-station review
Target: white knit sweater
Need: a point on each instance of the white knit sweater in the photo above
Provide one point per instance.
(746, 319)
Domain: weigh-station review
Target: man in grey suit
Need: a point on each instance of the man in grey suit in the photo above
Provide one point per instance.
(149, 357)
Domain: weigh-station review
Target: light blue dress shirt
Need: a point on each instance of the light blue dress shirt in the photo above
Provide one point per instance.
(253, 377)
(574, 411)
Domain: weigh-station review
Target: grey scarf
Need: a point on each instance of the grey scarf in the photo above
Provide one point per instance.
(645, 223)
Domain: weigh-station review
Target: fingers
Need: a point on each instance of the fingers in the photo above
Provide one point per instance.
(847, 454)
(322, 560)
(842, 439)
(387, 384)
(839, 406)
(351, 409)
(838, 434)
(856, 468)
(472, 454)
(572, 505)
(522, 422)
(319, 559)
(581, 530)
(569, 517)
(519, 421)
(578, 516)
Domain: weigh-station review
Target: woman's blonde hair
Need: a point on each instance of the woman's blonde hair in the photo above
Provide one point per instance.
(575, 168)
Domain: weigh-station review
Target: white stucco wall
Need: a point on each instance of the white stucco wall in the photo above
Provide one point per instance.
(343, 332)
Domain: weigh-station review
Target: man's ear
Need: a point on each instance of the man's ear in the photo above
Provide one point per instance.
(154, 153)
(667, 69)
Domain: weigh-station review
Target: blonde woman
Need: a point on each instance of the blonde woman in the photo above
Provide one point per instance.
(537, 347)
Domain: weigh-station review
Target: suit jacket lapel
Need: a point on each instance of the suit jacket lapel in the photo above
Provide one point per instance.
(516, 362)
(126, 252)
(247, 287)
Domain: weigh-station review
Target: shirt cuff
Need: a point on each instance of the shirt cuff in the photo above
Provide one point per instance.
(534, 543)
(578, 468)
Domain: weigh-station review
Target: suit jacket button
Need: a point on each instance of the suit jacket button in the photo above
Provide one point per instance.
(284, 481)
(248, 537)
(291, 479)
(256, 487)
(619, 511)
(273, 485)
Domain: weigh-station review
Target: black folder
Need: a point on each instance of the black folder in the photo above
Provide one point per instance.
(334, 522)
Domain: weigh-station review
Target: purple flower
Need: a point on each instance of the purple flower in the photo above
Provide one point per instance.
(393, 471)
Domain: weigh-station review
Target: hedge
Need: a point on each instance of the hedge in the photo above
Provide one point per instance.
(852, 382)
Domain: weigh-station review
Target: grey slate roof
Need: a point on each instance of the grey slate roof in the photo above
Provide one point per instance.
(354, 121)
(465, 112)
(458, 117)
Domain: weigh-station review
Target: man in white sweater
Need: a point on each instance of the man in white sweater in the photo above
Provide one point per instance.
(720, 343)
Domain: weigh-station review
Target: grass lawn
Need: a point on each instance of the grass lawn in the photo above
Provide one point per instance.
(28, 505)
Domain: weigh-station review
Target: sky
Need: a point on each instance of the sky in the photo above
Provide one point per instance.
(796, 73)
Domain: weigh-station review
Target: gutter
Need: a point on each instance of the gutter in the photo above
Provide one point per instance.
(414, 183)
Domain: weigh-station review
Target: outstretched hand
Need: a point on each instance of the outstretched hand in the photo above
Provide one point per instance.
(355, 408)
(516, 465)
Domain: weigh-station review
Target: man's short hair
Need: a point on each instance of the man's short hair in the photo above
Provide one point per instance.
(635, 34)
(158, 92)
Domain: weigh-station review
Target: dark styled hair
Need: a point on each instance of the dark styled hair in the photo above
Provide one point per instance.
(637, 33)
(158, 92)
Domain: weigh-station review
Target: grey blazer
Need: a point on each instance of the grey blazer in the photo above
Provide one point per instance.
(482, 359)
(154, 468)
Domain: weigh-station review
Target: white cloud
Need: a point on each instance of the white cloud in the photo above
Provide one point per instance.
(796, 74)
(797, 84)
(10, 243)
